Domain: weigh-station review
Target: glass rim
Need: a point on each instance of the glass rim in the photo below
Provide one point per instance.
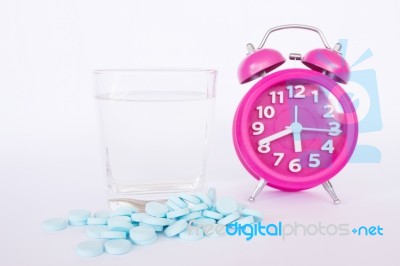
(137, 70)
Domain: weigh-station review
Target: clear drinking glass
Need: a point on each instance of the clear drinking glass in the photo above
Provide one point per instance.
(155, 127)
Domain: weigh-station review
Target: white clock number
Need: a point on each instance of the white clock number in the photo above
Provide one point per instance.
(258, 128)
(335, 129)
(328, 146)
(274, 94)
(300, 89)
(329, 114)
(264, 148)
(267, 112)
(314, 160)
(280, 156)
(315, 93)
(295, 166)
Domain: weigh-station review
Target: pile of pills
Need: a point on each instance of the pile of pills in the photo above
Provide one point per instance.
(114, 232)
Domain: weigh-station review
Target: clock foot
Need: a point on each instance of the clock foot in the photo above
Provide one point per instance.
(329, 188)
(260, 186)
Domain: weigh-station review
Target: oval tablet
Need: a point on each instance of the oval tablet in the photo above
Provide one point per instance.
(117, 246)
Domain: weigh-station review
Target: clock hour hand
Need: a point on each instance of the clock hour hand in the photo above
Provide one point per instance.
(275, 136)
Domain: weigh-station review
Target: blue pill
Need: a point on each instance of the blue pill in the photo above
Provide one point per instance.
(91, 248)
(55, 224)
(116, 220)
(78, 215)
(192, 234)
(191, 216)
(226, 206)
(175, 228)
(147, 241)
(117, 246)
(94, 231)
(190, 198)
(177, 201)
(143, 235)
(96, 220)
(199, 207)
(177, 213)
(230, 218)
(172, 206)
(113, 234)
(212, 214)
(156, 209)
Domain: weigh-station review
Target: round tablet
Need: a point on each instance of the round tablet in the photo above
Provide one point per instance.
(192, 234)
(78, 215)
(229, 219)
(96, 220)
(146, 242)
(94, 231)
(156, 209)
(177, 213)
(226, 206)
(212, 214)
(175, 228)
(117, 246)
(91, 248)
(118, 219)
(190, 198)
(258, 216)
(141, 233)
(55, 224)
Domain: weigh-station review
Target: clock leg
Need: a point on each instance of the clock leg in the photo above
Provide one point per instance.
(260, 186)
(329, 188)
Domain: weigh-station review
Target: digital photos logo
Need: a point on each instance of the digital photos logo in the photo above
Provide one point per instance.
(281, 230)
(363, 91)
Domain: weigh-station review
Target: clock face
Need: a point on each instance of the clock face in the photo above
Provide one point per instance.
(298, 129)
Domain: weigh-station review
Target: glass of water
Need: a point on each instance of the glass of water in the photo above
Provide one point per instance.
(155, 128)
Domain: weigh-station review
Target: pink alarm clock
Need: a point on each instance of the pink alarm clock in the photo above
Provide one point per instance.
(295, 128)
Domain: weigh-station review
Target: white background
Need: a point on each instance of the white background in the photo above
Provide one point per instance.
(49, 156)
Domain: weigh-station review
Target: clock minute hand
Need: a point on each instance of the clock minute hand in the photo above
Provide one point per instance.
(275, 136)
